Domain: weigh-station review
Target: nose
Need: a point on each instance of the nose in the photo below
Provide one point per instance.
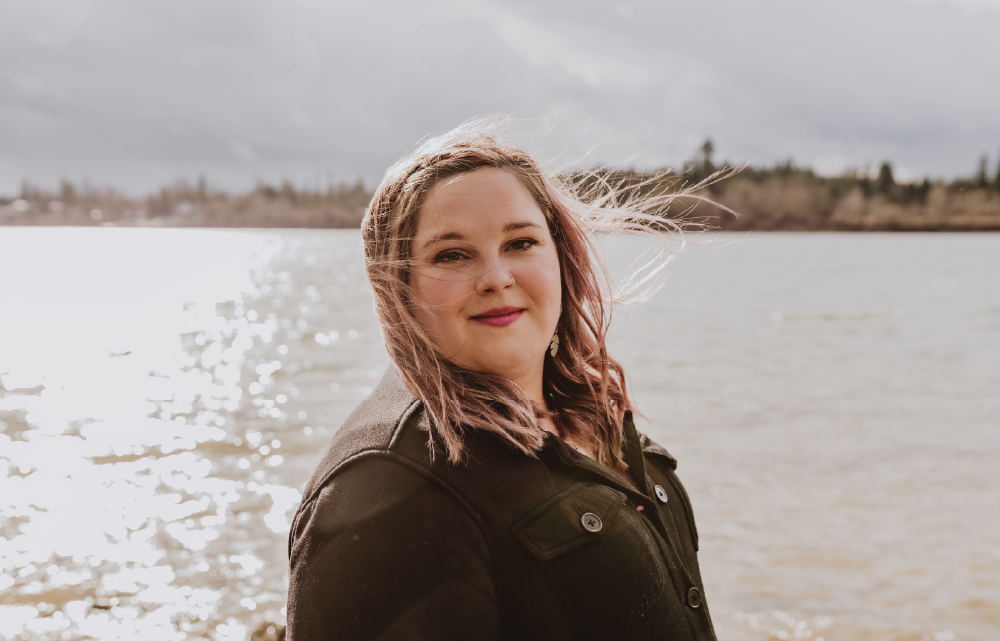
(494, 279)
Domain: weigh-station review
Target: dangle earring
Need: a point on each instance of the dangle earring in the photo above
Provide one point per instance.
(554, 343)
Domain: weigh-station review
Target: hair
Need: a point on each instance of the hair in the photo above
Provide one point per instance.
(584, 385)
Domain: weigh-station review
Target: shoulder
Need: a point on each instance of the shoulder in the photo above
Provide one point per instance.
(373, 426)
(384, 550)
(383, 443)
(385, 497)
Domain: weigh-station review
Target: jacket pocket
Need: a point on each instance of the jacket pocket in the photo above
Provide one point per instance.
(608, 571)
(556, 526)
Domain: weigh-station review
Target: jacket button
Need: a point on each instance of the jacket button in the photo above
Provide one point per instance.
(661, 494)
(591, 522)
(694, 598)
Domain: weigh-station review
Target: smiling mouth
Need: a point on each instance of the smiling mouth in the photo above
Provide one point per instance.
(499, 317)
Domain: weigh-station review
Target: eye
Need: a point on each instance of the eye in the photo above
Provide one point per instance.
(522, 244)
(449, 256)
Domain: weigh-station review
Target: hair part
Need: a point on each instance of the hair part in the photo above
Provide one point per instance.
(584, 385)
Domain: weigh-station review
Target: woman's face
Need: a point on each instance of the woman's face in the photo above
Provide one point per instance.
(486, 275)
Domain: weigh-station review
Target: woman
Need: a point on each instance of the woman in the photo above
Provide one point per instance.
(493, 486)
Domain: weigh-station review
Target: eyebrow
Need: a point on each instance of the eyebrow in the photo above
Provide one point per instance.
(520, 225)
(449, 236)
(509, 227)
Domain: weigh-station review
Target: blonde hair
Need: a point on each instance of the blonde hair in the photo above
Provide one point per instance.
(584, 385)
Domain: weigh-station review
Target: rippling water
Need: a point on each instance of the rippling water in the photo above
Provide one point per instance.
(834, 401)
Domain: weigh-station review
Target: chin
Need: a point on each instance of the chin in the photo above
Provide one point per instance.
(512, 366)
(512, 356)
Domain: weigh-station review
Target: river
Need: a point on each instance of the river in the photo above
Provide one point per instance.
(833, 400)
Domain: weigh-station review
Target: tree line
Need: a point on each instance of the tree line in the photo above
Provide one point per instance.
(790, 197)
(784, 196)
(188, 205)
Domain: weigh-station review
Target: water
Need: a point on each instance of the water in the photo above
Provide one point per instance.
(833, 400)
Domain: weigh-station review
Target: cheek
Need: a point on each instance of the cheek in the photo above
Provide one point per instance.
(437, 303)
(543, 281)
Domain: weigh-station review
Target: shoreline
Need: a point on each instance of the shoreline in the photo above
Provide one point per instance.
(784, 198)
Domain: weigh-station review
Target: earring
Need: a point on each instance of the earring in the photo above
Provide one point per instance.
(554, 343)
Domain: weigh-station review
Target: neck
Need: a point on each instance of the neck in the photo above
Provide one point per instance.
(532, 386)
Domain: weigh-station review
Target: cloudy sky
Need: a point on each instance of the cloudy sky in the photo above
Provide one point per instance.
(137, 94)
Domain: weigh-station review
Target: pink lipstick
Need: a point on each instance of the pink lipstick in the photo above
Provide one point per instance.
(499, 316)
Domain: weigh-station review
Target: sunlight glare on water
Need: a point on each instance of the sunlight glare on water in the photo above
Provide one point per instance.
(140, 459)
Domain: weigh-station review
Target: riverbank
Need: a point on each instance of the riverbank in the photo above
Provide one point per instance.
(780, 198)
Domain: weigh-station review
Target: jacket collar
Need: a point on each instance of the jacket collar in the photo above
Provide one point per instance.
(634, 448)
(650, 448)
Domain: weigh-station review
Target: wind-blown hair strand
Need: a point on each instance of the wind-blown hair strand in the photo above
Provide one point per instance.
(584, 385)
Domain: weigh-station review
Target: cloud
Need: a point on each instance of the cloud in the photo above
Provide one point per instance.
(139, 94)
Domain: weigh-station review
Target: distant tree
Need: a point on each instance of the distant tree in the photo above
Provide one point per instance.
(785, 169)
(707, 149)
(67, 192)
(30, 192)
(981, 179)
(886, 181)
(996, 179)
(865, 184)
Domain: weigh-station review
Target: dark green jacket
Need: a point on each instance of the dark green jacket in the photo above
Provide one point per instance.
(390, 545)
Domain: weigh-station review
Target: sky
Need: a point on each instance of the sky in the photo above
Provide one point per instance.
(137, 95)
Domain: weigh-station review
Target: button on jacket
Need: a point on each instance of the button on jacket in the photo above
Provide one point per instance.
(388, 544)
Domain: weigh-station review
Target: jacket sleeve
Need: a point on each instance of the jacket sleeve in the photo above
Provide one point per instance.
(384, 552)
